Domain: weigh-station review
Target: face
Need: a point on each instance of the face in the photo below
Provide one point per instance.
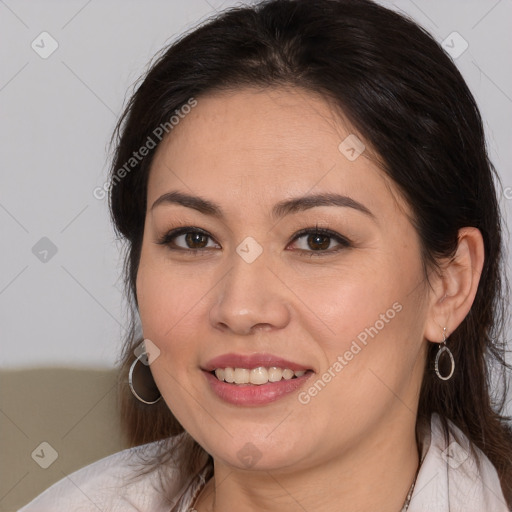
(244, 287)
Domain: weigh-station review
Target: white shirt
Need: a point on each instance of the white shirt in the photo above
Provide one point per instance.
(448, 481)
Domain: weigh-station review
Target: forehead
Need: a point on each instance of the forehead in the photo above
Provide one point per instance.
(260, 145)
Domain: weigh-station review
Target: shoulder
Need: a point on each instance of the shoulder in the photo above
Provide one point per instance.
(455, 475)
(115, 483)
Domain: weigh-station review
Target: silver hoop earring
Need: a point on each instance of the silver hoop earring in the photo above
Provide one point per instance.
(443, 348)
(142, 381)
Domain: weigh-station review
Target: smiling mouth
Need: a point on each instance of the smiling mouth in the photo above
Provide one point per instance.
(256, 376)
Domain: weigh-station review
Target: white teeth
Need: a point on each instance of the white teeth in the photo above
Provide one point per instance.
(275, 374)
(256, 376)
(229, 375)
(287, 374)
(242, 376)
(259, 376)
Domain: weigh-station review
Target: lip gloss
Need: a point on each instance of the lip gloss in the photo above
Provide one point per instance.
(251, 394)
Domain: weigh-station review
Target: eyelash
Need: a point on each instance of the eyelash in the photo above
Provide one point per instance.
(167, 238)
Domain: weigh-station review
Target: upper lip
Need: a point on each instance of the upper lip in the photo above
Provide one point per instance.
(251, 361)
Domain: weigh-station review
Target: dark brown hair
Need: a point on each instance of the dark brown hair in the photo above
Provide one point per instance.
(405, 96)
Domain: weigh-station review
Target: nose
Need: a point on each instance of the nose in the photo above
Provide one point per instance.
(250, 297)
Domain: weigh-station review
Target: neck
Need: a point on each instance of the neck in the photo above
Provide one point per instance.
(375, 475)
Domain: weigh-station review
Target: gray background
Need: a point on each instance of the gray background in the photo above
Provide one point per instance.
(57, 115)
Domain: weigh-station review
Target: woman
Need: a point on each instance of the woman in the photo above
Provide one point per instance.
(314, 250)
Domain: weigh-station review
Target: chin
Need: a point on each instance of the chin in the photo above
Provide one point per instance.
(257, 453)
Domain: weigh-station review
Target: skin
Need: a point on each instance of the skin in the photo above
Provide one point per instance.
(352, 447)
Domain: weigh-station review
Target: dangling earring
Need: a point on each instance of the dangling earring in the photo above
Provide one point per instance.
(444, 348)
(143, 380)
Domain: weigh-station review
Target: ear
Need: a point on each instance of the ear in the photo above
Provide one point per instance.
(453, 290)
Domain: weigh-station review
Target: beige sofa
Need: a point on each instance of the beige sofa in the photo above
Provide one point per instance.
(52, 422)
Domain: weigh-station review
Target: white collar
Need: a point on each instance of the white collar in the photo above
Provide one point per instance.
(449, 479)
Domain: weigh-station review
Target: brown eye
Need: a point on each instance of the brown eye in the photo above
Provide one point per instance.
(187, 239)
(193, 237)
(318, 240)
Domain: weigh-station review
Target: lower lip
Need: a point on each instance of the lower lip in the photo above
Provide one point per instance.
(251, 394)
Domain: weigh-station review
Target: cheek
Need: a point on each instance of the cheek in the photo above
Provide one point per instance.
(346, 303)
(367, 322)
(168, 306)
(167, 300)
(369, 359)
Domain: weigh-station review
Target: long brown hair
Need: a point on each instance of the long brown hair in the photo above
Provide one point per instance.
(396, 85)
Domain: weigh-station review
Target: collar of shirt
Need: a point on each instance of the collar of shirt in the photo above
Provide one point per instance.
(451, 478)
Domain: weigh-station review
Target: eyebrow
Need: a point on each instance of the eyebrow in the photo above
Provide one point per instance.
(279, 210)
